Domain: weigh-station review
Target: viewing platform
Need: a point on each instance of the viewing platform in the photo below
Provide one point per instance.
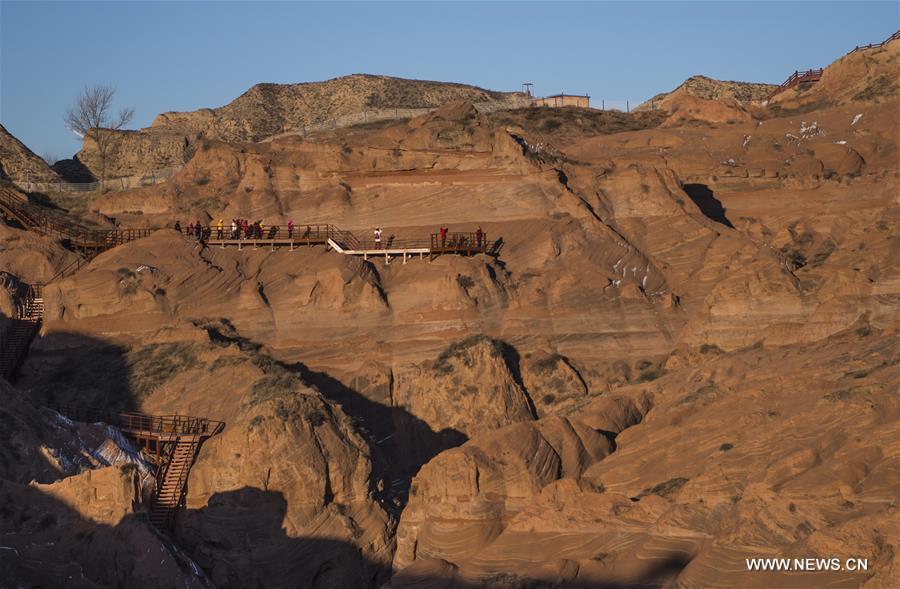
(346, 243)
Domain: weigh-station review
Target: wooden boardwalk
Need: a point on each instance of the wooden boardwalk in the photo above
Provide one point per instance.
(90, 242)
(346, 243)
(86, 241)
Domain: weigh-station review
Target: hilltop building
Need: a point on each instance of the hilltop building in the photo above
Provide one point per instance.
(558, 100)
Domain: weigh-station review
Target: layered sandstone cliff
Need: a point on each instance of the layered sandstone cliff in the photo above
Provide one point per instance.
(19, 164)
(266, 110)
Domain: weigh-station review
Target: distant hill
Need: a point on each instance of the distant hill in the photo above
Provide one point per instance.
(20, 164)
(710, 89)
(268, 109)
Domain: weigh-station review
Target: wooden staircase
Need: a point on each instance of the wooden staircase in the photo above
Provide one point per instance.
(14, 344)
(172, 487)
(20, 330)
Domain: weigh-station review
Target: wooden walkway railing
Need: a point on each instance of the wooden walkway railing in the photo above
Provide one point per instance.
(466, 243)
(893, 37)
(814, 75)
(89, 242)
(141, 425)
(798, 77)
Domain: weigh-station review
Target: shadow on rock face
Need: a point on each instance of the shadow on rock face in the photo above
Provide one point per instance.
(49, 543)
(399, 442)
(707, 202)
(239, 539)
(70, 368)
(401, 455)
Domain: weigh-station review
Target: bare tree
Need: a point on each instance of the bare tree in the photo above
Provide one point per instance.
(49, 157)
(91, 116)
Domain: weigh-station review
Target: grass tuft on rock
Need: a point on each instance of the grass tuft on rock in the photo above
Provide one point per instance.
(151, 366)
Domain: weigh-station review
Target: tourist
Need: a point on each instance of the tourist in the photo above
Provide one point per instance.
(220, 227)
(478, 235)
(246, 227)
(444, 231)
(378, 238)
(307, 232)
(178, 226)
(191, 229)
(234, 228)
(290, 229)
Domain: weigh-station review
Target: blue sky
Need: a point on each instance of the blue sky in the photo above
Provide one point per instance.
(185, 55)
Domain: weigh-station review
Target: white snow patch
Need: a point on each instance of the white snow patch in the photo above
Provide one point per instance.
(856, 119)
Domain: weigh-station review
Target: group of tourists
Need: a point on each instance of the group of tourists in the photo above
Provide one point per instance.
(460, 239)
(244, 229)
(239, 229)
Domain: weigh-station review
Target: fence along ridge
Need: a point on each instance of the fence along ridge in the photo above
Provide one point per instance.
(813, 75)
(893, 37)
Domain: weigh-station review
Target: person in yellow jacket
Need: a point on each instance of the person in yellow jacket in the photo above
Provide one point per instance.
(219, 227)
